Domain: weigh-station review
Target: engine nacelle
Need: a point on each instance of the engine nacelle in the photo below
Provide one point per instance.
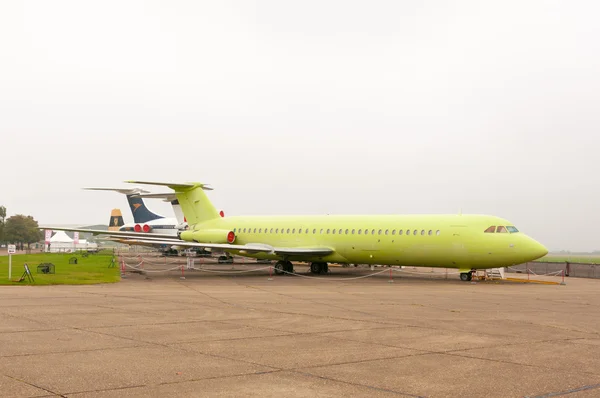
(147, 228)
(137, 228)
(209, 236)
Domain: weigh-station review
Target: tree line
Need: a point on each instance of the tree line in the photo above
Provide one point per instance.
(19, 229)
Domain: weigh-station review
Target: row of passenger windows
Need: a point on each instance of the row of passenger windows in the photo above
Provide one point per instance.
(336, 231)
(501, 229)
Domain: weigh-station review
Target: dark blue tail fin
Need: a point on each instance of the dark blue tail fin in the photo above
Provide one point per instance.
(141, 213)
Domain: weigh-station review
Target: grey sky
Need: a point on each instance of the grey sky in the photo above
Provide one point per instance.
(312, 107)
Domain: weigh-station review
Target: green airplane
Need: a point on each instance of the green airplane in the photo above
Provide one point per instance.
(465, 242)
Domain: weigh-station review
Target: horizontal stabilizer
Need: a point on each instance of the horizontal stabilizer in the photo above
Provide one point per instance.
(174, 185)
(124, 191)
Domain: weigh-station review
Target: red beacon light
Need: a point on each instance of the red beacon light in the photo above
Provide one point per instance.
(147, 228)
(137, 228)
(221, 213)
(230, 236)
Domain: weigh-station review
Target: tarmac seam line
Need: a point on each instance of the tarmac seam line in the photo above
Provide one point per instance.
(571, 391)
(36, 386)
(358, 384)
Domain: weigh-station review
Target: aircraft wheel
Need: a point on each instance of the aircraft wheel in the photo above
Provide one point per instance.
(465, 276)
(319, 268)
(315, 268)
(289, 267)
(279, 267)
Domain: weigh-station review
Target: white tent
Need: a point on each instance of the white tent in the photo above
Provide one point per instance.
(62, 243)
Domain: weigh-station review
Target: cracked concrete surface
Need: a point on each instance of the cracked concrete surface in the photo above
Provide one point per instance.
(214, 335)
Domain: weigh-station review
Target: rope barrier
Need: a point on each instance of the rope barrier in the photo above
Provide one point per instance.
(149, 270)
(336, 279)
(229, 272)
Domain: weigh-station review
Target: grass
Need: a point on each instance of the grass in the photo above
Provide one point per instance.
(88, 270)
(572, 258)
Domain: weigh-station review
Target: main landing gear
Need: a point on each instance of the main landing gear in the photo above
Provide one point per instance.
(319, 268)
(284, 267)
(466, 276)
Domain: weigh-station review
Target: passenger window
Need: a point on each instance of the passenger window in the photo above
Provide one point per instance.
(328, 231)
(346, 232)
(314, 231)
(340, 231)
(244, 230)
(491, 229)
(234, 230)
(254, 230)
(387, 231)
(353, 231)
(359, 231)
(407, 232)
(271, 231)
(321, 231)
(333, 232)
(260, 230)
(379, 233)
(400, 232)
(306, 231)
(501, 229)
(372, 232)
(293, 230)
(276, 230)
(437, 232)
(366, 232)
(430, 232)
(422, 232)
(393, 232)
(415, 232)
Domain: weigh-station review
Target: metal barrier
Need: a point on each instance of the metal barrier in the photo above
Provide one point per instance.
(577, 270)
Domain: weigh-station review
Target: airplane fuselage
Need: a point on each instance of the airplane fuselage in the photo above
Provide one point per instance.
(453, 241)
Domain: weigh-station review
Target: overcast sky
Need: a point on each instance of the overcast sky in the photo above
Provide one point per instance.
(312, 107)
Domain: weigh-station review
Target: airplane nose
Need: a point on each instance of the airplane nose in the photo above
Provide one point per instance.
(537, 250)
(541, 250)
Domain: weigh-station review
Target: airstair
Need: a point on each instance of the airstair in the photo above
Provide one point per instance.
(494, 273)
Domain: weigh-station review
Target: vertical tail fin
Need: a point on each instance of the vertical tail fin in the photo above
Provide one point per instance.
(140, 212)
(116, 220)
(196, 206)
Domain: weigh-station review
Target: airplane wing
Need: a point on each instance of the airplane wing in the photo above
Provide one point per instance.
(128, 234)
(248, 248)
(164, 239)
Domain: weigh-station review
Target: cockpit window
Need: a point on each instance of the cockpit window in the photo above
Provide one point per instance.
(512, 229)
(501, 229)
(491, 229)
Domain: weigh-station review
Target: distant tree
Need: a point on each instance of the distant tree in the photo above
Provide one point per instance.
(21, 230)
(2, 218)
